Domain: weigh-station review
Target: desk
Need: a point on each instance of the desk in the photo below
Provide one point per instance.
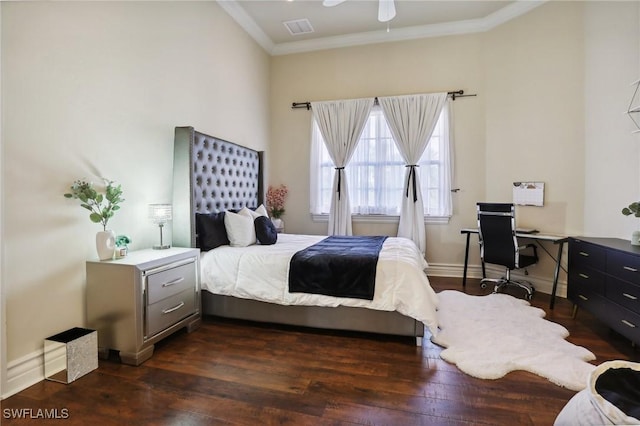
(555, 239)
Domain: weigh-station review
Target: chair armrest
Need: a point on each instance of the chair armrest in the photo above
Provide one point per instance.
(530, 245)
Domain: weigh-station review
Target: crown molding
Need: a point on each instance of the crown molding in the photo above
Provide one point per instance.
(507, 13)
(233, 8)
(499, 17)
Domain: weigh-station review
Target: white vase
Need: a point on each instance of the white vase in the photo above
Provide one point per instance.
(278, 223)
(106, 244)
(635, 238)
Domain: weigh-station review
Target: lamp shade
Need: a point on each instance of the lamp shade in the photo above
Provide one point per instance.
(160, 213)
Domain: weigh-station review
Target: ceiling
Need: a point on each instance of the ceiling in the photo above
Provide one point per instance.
(355, 22)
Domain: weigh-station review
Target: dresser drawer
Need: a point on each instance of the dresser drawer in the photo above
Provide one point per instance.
(169, 311)
(586, 254)
(624, 322)
(170, 281)
(587, 300)
(624, 266)
(623, 293)
(581, 277)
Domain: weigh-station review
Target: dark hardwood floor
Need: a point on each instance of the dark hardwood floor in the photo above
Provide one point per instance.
(246, 374)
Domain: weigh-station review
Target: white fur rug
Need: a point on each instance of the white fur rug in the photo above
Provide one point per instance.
(489, 336)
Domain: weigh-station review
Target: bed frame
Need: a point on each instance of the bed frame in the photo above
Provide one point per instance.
(212, 175)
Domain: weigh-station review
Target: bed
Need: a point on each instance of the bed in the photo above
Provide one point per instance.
(212, 175)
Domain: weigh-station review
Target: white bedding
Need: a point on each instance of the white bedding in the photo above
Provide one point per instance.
(260, 272)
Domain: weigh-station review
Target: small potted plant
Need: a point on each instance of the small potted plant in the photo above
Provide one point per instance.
(633, 209)
(102, 207)
(275, 203)
(122, 242)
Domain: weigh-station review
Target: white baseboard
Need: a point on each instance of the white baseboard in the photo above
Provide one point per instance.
(542, 284)
(24, 372)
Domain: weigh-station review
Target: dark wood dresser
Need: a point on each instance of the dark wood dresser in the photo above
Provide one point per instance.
(604, 279)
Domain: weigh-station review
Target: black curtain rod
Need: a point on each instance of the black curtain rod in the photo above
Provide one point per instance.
(453, 94)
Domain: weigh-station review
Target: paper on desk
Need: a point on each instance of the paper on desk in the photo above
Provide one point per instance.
(528, 193)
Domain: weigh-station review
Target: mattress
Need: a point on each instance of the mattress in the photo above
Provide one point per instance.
(260, 272)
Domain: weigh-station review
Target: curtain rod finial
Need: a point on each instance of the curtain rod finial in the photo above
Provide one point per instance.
(295, 105)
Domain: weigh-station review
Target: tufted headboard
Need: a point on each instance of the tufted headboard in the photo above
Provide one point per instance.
(211, 175)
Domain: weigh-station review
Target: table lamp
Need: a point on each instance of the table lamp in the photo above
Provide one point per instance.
(160, 214)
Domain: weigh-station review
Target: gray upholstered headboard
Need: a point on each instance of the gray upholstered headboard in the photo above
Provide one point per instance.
(211, 175)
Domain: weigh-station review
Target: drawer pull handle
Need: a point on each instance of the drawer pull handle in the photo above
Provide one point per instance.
(175, 308)
(629, 296)
(629, 268)
(585, 276)
(172, 282)
(627, 323)
(582, 253)
(582, 297)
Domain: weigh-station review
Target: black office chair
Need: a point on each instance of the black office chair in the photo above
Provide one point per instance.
(499, 245)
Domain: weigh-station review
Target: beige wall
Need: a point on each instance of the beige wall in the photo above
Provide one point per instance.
(527, 122)
(95, 89)
(612, 152)
(535, 119)
(535, 113)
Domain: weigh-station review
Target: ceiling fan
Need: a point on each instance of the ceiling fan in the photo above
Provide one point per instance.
(386, 8)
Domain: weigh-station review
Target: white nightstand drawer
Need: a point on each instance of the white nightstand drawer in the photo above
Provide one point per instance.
(169, 311)
(170, 281)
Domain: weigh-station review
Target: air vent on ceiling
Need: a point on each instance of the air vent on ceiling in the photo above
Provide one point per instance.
(299, 26)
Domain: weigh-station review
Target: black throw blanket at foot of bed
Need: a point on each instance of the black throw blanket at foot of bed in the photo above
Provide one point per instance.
(340, 266)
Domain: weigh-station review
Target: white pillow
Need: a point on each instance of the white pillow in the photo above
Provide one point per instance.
(240, 229)
(246, 212)
(260, 211)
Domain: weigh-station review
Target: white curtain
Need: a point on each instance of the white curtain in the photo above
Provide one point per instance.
(412, 119)
(448, 159)
(341, 123)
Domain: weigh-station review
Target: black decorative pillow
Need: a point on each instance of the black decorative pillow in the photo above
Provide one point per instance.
(266, 233)
(211, 230)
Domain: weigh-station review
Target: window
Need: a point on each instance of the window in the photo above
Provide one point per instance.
(376, 172)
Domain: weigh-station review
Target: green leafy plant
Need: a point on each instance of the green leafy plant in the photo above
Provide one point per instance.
(102, 207)
(122, 241)
(632, 209)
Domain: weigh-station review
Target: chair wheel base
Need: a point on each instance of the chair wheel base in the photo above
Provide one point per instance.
(503, 283)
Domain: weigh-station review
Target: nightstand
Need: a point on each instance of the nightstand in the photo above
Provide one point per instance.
(142, 298)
